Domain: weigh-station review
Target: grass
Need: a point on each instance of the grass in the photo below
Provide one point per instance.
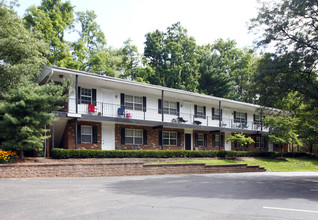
(271, 165)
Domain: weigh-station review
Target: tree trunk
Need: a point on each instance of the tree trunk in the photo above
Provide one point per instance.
(21, 154)
(310, 147)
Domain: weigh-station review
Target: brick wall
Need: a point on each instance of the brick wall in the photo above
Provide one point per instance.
(152, 138)
(116, 169)
(68, 139)
(250, 147)
(209, 140)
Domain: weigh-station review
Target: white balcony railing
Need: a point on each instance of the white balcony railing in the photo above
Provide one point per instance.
(151, 114)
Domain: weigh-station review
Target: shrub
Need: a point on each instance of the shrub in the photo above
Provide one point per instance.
(63, 154)
(7, 156)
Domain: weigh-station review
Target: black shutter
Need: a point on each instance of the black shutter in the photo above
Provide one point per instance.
(204, 140)
(145, 136)
(213, 117)
(94, 97)
(144, 103)
(222, 140)
(178, 108)
(160, 137)
(178, 139)
(95, 134)
(159, 106)
(245, 117)
(204, 112)
(79, 136)
(254, 118)
(221, 115)
(195, 110)
(235, 120)
(122, 100)
(79, 95)
(122, 135)
(213, 140)
(196, 140)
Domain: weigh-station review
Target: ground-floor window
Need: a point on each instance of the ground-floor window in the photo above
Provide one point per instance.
(133, 136)
(200, 141)
(257, 142)
(170, 138)
(216, 140)
(86, 134)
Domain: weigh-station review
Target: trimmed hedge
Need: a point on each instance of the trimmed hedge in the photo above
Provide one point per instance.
(58, 153)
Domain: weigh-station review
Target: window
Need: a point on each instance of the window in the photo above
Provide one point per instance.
(200, 140)
(170, 107)
(216, 114)
(170, 138)
(86, 134)
(86, 96)
(200, 112)
(133, 136)
(216, 140)
(133, 102)
(257, 142)
(257, 119)
(240, 117)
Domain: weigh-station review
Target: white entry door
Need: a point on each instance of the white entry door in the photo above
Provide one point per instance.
(108, 108)
(108, 137)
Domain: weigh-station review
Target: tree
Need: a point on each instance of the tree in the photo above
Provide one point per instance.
(26, 111)
(290, 26)
(172, 55)
(21, 53)
(52, 18)
(282, 130)
(241, 139)
(91, 40)
(130, 61)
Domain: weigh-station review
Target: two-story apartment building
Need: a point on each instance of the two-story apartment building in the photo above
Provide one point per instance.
(108, 113)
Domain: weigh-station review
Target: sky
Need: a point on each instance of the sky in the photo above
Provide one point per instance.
(205, 20)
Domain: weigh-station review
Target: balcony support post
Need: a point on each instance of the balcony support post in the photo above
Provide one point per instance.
(76, 93)
(162, 116)
(76, 133)
(220, 125)
(261, 119)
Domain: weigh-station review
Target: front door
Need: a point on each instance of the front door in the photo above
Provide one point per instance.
(188, 141)
(108, 137)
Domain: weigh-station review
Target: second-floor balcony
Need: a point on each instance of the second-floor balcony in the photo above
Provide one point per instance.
(155, 114)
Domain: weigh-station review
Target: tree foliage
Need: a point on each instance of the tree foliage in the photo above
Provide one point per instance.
(25, 111)
(21, 53)
(172, 55)
(52, 18)
(241, 139)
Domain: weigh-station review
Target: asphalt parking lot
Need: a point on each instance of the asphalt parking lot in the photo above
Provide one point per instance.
(211, 196)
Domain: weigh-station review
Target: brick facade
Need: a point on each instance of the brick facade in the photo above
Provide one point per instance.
(250, 147)
(152, 138)
(68, 139)
(209, 140)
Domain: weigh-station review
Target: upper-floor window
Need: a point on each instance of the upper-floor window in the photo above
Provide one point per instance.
(133, 136)
(133, 102)
(216, 114)
(169, 107)
(86, 96)
(240, 117)
(257, 119)
(199, 111)
(170, 138)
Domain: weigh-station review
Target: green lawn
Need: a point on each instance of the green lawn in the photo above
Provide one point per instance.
(271, 165)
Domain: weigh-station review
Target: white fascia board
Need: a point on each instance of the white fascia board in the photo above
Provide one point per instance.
(112, 79)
